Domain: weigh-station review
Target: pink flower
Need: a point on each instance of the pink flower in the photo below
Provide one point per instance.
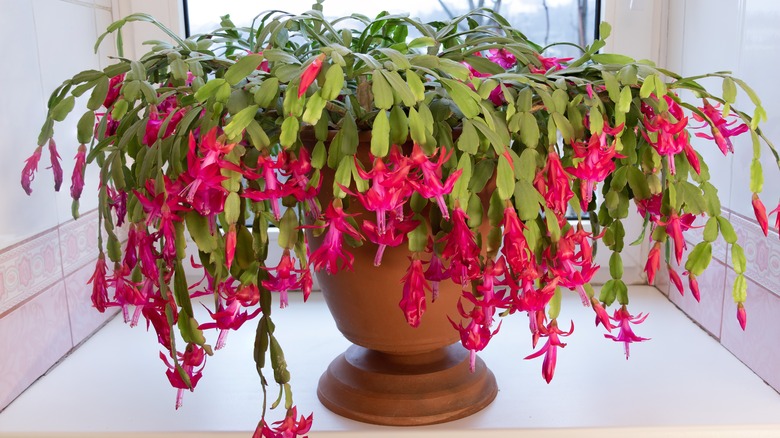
(694, 285)
(77, 180)
(720, 128)
(331, 252)
(676, 280)
(550, 348)
(598, 162)
(475, 336)
(286, 278)
(760, 211)
(651, 206)
(274, 190)
(653, 262)
(100, 285)
(287, 428)
(30, 167)
(413, 300)
(230, 245)
(553, 183)
(435, 274)
(777, 218)
(298, 184)
(430, 184)
(192, 358)
(675, 226)
(548, 64)
(228, 315)
(515, 247)
(741, 316)
(460, 248)
(162, 210)
(624, 321)
(56, 167)
(602, 317)
(393, 236)
(114, 87)
(667, 127)
(502, 57)
(310, 74)
(389, 190)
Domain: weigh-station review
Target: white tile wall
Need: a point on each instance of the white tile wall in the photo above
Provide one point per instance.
(21, 115)
(743, 37)
(39, 244)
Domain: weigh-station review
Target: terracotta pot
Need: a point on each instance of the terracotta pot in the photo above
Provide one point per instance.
(395, 374)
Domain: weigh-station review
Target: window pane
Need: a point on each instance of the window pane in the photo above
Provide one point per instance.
(542, 21)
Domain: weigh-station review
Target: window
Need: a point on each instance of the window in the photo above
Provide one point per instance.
(542, 21)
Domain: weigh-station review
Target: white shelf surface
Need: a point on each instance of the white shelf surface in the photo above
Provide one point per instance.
(681, 383)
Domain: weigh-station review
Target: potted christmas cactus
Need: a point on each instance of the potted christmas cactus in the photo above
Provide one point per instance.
(452, 149)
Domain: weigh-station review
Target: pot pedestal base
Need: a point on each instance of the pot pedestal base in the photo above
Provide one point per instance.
(406, 389)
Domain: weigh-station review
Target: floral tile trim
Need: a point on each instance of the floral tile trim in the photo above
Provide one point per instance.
(28, 268)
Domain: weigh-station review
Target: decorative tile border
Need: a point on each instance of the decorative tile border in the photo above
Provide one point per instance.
(28, 268)
(757, 346)
(762, 253)
(78, 242)
(696, 235)
(32, 338)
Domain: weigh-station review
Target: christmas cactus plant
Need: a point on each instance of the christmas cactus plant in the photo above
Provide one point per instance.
(223, 135)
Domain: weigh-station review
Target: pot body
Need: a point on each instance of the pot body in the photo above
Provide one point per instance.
(395, 374)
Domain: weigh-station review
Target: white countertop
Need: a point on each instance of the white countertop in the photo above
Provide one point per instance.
(681, 383)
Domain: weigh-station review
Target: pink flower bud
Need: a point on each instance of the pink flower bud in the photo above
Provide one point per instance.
(741, 316)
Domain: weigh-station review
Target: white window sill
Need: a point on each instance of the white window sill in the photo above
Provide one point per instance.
(682, 383)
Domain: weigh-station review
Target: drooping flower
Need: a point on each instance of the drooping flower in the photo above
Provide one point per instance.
(514, 245)
(287, 428)
(694, 286)
(502, 57)
(777, 218)
(550, 348)
(30, 167)
(99, 285)
(162, 210)
(460, 248)
(274, 190)
(329, 254)
(720, 128)
(435, 274)
(667, 128)
(653, 262)
(741, 316)
(77, 180)
(475, 336)
(389, 191)
(624, 321)
(553, 183)
(430, 184)
(56, 166)
(311, 72)
(286, 278)
(676, 280)
(298, 184)
(760, 211)
(193, 357)
(651, 206)
(548, 64)
(117, 201)
(676, 225)
(114, 87)
(230, 245)
(393, 236)
(228, 315)
(413, 301)
(602, 317)
(598, 162)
